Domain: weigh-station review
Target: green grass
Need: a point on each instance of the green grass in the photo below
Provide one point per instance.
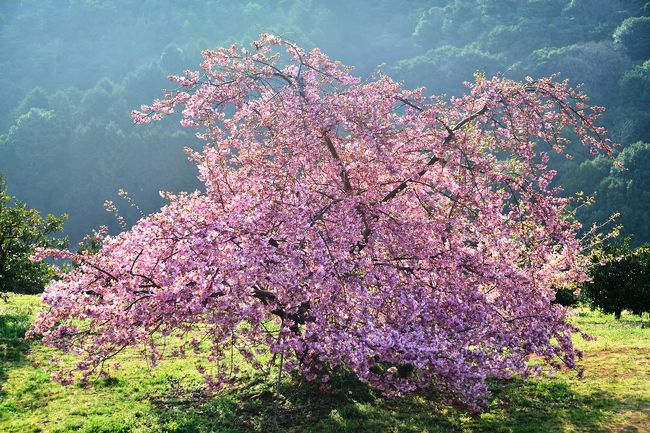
(613, 397)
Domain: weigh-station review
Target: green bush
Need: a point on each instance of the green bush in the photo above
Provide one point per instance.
(21, 231)
(620, 279)
(566, 296)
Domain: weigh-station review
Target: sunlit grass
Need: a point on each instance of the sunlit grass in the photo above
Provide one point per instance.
(614, 395)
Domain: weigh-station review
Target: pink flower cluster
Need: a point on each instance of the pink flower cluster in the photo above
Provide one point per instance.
(346, 224)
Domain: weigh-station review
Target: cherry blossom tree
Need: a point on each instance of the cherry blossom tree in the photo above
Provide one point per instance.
(414, 241)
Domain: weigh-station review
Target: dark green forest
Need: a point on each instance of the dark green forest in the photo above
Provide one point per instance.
(72, 70)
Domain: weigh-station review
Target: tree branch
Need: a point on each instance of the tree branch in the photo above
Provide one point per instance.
(347, 186)
(434, 159)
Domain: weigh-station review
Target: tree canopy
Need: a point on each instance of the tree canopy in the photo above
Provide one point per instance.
(345, 223)
(620, 279)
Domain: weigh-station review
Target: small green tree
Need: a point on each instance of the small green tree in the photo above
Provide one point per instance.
(620, 279)
(21, 231)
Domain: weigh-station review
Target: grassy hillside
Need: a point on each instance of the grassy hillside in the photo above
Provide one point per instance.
(614, 395)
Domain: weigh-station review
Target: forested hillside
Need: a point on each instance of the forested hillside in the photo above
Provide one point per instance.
(73, 70)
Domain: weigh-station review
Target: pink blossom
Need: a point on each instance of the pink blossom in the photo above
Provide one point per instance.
(345, 223)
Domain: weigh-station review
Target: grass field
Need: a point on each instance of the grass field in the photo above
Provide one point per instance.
(613, 397)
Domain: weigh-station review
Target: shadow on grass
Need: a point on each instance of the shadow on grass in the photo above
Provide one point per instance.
(517, 406)
(14, 323)
(594, 317)
(551, 406)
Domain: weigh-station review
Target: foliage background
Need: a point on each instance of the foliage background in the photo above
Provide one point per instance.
(74, 69)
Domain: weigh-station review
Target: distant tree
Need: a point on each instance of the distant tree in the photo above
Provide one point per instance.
(428, 29)
(171, 60)
(634, 35)
(628, 191)
(620, 279)
(445, 68)
(625, 191)
(21, 231)
(593, 12)
(35, 98)
(634, 91)
(597, 65)
(635, 83)
(32, 152)
(584, 176)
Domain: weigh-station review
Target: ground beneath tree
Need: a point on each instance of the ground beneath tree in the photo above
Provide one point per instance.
(614, 395)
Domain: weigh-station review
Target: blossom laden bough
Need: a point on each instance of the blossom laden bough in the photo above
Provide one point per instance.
(415, 241)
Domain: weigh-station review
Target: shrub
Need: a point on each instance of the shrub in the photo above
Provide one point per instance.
(22, 230)
(620, 279)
